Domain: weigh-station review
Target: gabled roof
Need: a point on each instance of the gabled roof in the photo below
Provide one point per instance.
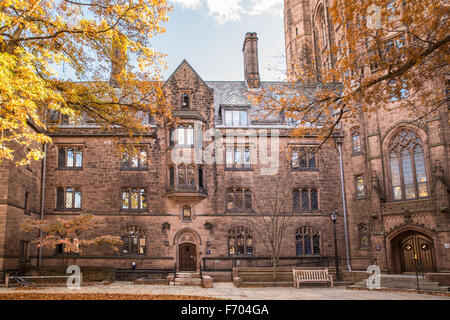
(235, 99)
(185, 62)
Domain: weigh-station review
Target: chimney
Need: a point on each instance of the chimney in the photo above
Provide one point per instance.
(118, 62)
(251, 69)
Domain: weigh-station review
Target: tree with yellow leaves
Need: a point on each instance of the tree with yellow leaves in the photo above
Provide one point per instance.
(90, 36)
(365, 55)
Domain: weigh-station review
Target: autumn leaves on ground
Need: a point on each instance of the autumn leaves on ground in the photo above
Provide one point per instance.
(95, 296)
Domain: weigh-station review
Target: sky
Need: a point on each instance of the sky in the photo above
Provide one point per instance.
(209, 34)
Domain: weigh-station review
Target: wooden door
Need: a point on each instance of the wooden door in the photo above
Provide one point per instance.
(415, 248)
(187, 257)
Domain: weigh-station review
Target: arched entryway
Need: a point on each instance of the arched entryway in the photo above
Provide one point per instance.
(413, 250)
(187, 242)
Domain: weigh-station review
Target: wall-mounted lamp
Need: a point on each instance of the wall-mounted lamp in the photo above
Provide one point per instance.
(209, 226)
(208, 243)
(166, 243)
(165, 227)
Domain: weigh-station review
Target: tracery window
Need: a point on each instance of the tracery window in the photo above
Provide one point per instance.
(186, 176)
(133, 238)
(240, 242)
(363, 232)
(407, 164)
(307, 241)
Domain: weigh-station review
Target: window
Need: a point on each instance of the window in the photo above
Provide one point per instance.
(186, 176)
(240, 242)
(25, 203)
(185, 135)
(70, 157)
(134, 199)
(184, 101)
(136, 159)
(397, 93)
(200, 178)
(236, 118)
(133, 238)
(239, 199)
(305, 200)
(59, 248)
(24, 249)
(363, 236)
(237, 157)
(187, 215)
(360, 187)
(356, 141)
(407, 164)
(303, 159)
(171, 177)
(307, 241)
(68, 198)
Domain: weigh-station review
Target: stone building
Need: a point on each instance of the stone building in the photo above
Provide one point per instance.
(190, 195)
(396, 168)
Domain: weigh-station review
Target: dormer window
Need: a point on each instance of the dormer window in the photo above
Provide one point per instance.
(236, 118)
(184, 101)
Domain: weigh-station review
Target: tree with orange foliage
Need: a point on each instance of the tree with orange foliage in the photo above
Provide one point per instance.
(385, 53)
(67, 234)
(37, 35)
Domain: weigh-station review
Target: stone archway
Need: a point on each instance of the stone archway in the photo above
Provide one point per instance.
(413, 250)
(187, 242)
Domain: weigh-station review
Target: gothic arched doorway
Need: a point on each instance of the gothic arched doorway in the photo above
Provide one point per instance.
(413, 251)
(187, 258)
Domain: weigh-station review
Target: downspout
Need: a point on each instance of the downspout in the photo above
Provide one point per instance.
(44, 169)
(344, 206)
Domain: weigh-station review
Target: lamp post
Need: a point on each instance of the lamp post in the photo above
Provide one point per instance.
(333, 216)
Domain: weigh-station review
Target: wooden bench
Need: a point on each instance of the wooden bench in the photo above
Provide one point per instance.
(311, 276)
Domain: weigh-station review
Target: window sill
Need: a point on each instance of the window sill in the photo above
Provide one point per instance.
(133, 169)
(134, 210)
(67, 209)
(239, 211)
(306, 211)
(305, 169)
(360, 198)
(359, 153)
(238, 169)
(69, 168)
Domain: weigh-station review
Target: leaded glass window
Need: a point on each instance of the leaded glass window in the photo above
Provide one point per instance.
(360, 188)
(307, 240)
(407, 164)
(239, 199)
(303, 158)
(238, 157)
(240, 242)
(68, 198)
(70, 157)
(134, 199)
(305, 200)
(133, 238)
(363, 236)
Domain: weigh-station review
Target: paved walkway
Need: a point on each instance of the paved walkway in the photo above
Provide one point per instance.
(229, 291)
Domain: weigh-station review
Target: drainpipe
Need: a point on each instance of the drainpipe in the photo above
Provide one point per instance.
(344, 206)
(44, 169)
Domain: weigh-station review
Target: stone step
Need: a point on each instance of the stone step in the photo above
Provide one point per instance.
(188, 275)
(186, 282)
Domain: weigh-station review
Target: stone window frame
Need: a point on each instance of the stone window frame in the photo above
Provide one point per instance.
(363, 231)
(298, 205)
(65, 191)
(24, 250)
(184, 218)
(356, 132)
(364, 189)
(26, 203)
(246, 194)
(387, 146)
(63, 151)
(233, 242)
(186, 127)
(303, 232)
(141, 234)
(190, 96)
(243, 149)
(305, 150)
(128, 191)
(142, 160)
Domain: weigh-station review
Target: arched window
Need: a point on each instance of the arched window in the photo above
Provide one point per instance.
(407, 163)
(363, 232)
(307, 241)
(240, 242)
(133, 238)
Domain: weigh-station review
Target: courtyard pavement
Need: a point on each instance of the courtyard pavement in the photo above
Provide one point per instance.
(229, 291)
